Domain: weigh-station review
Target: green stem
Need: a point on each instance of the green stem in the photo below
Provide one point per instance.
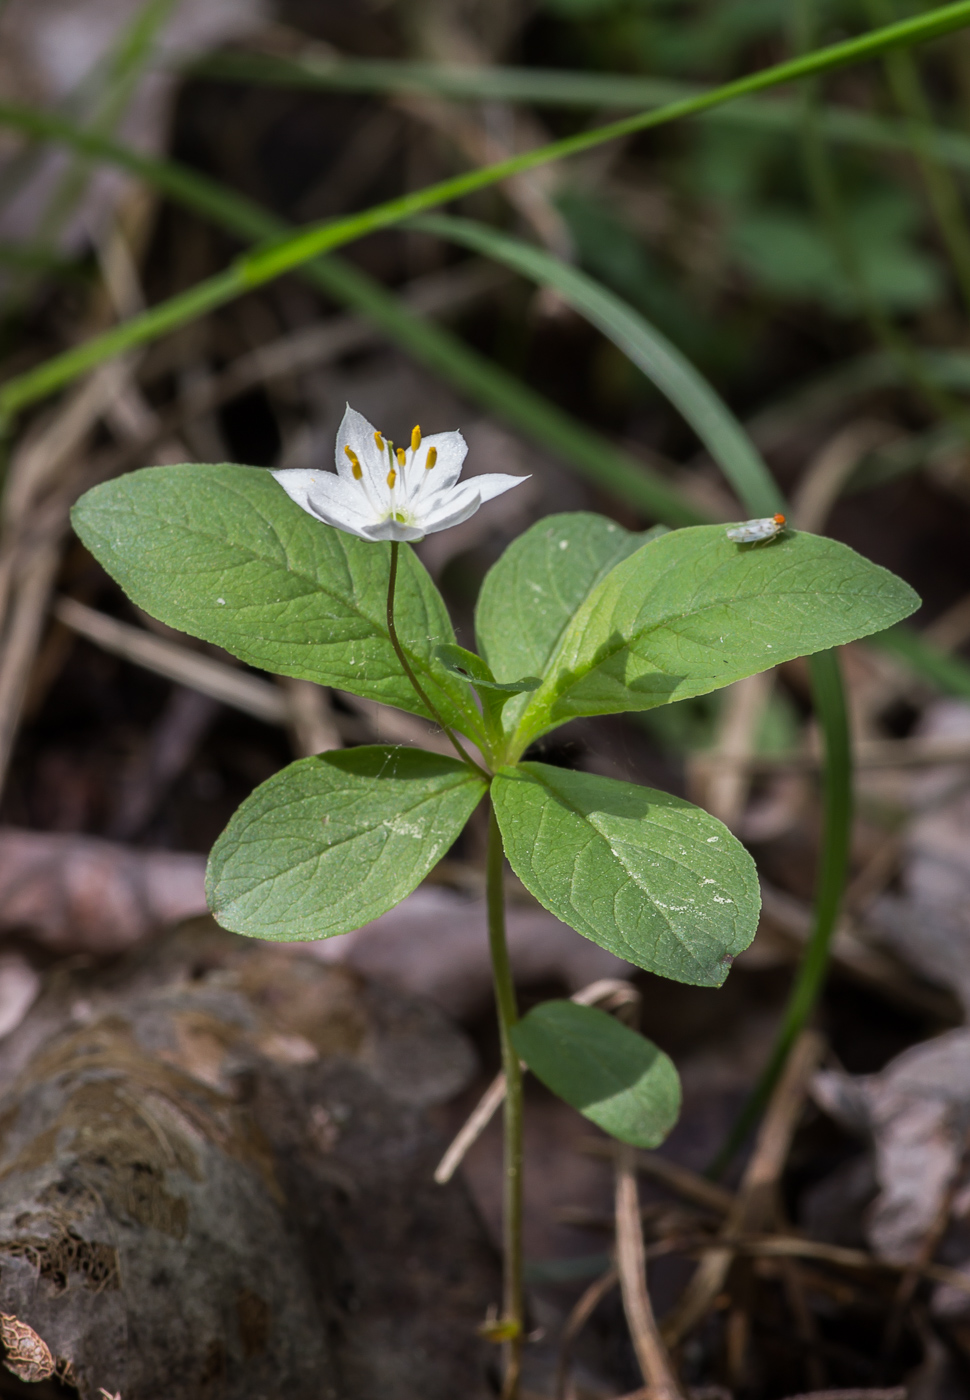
(266, 264)
(409, 672)
(830, 709)
(512, 1303)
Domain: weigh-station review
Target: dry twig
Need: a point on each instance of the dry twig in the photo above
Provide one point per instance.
(631, 1267)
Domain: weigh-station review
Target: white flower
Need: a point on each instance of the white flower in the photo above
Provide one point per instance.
(381, 492)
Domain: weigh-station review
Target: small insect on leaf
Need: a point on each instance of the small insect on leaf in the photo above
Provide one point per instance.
(757, 531)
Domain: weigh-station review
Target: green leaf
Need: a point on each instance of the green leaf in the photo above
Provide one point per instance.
(478, 673)
(222, 553)
(530, 594)
(333, 841)
(492, 694)
(652, 878)
(617, 1079)
(692, 611)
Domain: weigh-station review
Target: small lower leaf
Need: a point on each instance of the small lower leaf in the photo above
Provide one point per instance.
(617, 1079)
(333, 841)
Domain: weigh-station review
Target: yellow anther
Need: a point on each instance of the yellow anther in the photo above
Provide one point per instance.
(380, 442)
(354, 463)
(401, 458)
(391, 478)
(357, 471)
(415, 439)
(432, 458)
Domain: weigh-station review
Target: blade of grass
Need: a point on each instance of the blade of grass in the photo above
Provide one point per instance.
(641, 342)
(586, 451)
(285, 255)
(828, 698)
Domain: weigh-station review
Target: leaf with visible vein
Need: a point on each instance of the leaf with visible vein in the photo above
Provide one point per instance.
(617, 1079)
(692, 612)
(333, 841)
(652, 878)
(221, 552)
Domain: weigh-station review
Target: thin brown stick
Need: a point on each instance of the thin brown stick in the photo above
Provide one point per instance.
(472, 1129)
(261, 699)
(631, 1266)
(311, 720)
(680, 1180)
(22, 639)
(723, 777)
(895, 1392)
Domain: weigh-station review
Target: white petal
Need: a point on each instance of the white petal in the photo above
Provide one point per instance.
(447, 508)
(327, 497)
(391, 529)
(491, 484)
(452, 449)
(356, 433)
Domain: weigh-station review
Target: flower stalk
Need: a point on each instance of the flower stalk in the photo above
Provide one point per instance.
(409, 670)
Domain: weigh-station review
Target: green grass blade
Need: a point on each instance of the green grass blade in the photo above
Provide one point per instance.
(286, 255)
(586, 451)
(642, 343)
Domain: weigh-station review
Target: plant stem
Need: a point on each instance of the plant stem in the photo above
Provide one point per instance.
(512, 1303)
(830, 709)
(408, 671)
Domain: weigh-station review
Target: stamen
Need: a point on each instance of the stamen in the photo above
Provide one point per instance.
(415, 438)
(391, 478)
(401, 458)
(380, 442)
(431, 459)
(354, 463)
